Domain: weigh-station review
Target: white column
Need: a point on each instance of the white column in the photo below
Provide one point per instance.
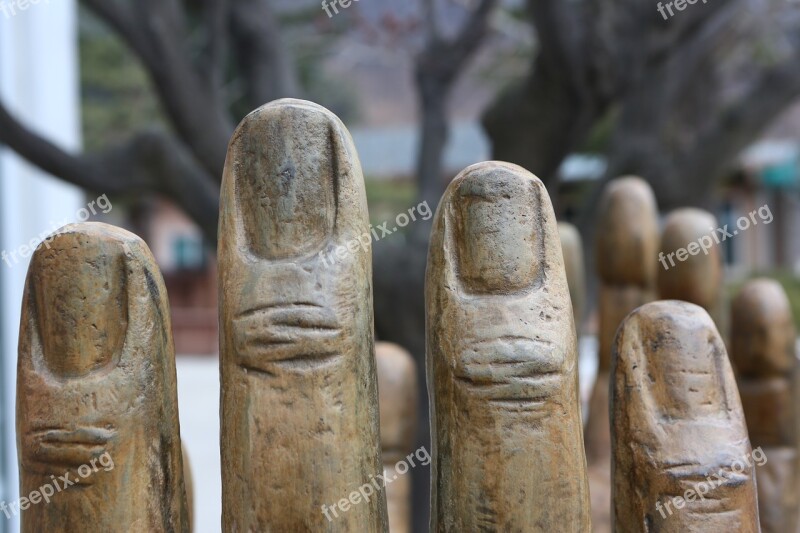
(39, 84)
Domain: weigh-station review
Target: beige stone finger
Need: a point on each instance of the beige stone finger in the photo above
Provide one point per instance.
(682, 460)
(572, 248)
(625, 255)
(763, 353)
(300, 428)
(97, 407)
(502, 361)
(398, 392)
(687, 270)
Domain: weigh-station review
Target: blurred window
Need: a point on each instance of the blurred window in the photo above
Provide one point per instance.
(189, 252)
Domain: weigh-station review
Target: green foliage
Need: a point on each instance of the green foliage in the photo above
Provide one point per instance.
(116, 93)
(600, 136)
(387, 199)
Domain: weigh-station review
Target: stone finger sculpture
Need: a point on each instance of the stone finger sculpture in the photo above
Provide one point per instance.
(625, 257)
(398, 392)
(97, 407)
(502, 361)
(763, 352)
(627, 240)
(572, 247)
(300, 428)
(691, 262)
(681, 456)
(188, 481)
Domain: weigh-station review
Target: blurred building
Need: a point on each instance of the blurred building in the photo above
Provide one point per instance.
(190, 274)
(768, 174)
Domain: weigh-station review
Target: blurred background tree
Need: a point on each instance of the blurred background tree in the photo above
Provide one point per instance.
(165, 81)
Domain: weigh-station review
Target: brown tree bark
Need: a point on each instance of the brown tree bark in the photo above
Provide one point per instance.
(687, 93)
(185, 166)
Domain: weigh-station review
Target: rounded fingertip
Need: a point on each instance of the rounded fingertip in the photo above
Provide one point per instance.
(283, 163)
(627, 233)
(672, 349)
(79, 281)
(694, 264)
(763, 332)
(497, 210)
(397, 389)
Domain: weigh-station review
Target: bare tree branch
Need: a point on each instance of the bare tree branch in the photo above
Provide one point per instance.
(472, 34)
(120, 18)
(263, 59)
(437, 69)
(150, 162)
(217, 23)
(201, 120)
(429, 19)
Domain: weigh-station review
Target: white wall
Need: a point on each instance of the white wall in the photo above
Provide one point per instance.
(39, 83)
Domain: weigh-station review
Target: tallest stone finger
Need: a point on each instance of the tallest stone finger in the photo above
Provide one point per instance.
(299, 388)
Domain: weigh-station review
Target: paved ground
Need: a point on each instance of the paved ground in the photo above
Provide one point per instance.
(198, 399)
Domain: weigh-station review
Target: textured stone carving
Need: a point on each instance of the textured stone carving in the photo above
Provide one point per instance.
(678, 428)
(502, 361)
(763, 352)
(96, 388)
(398, 391)
(188, 481)
(572, 247)
(299, 412)
(691, 277)
(625, 256)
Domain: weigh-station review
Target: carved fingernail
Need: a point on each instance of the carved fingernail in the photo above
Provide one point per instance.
(81, 302)
(284, 181)
(682, 349)
(497, 241)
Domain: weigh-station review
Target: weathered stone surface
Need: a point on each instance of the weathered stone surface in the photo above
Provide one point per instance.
(398, 393)
(625, 255)
(299, 412)
(627, 234)
(572, 248)
(763, 353)
(698, 278)
(502, 361)
(677, 424)
(96, 388)
(188, 481)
